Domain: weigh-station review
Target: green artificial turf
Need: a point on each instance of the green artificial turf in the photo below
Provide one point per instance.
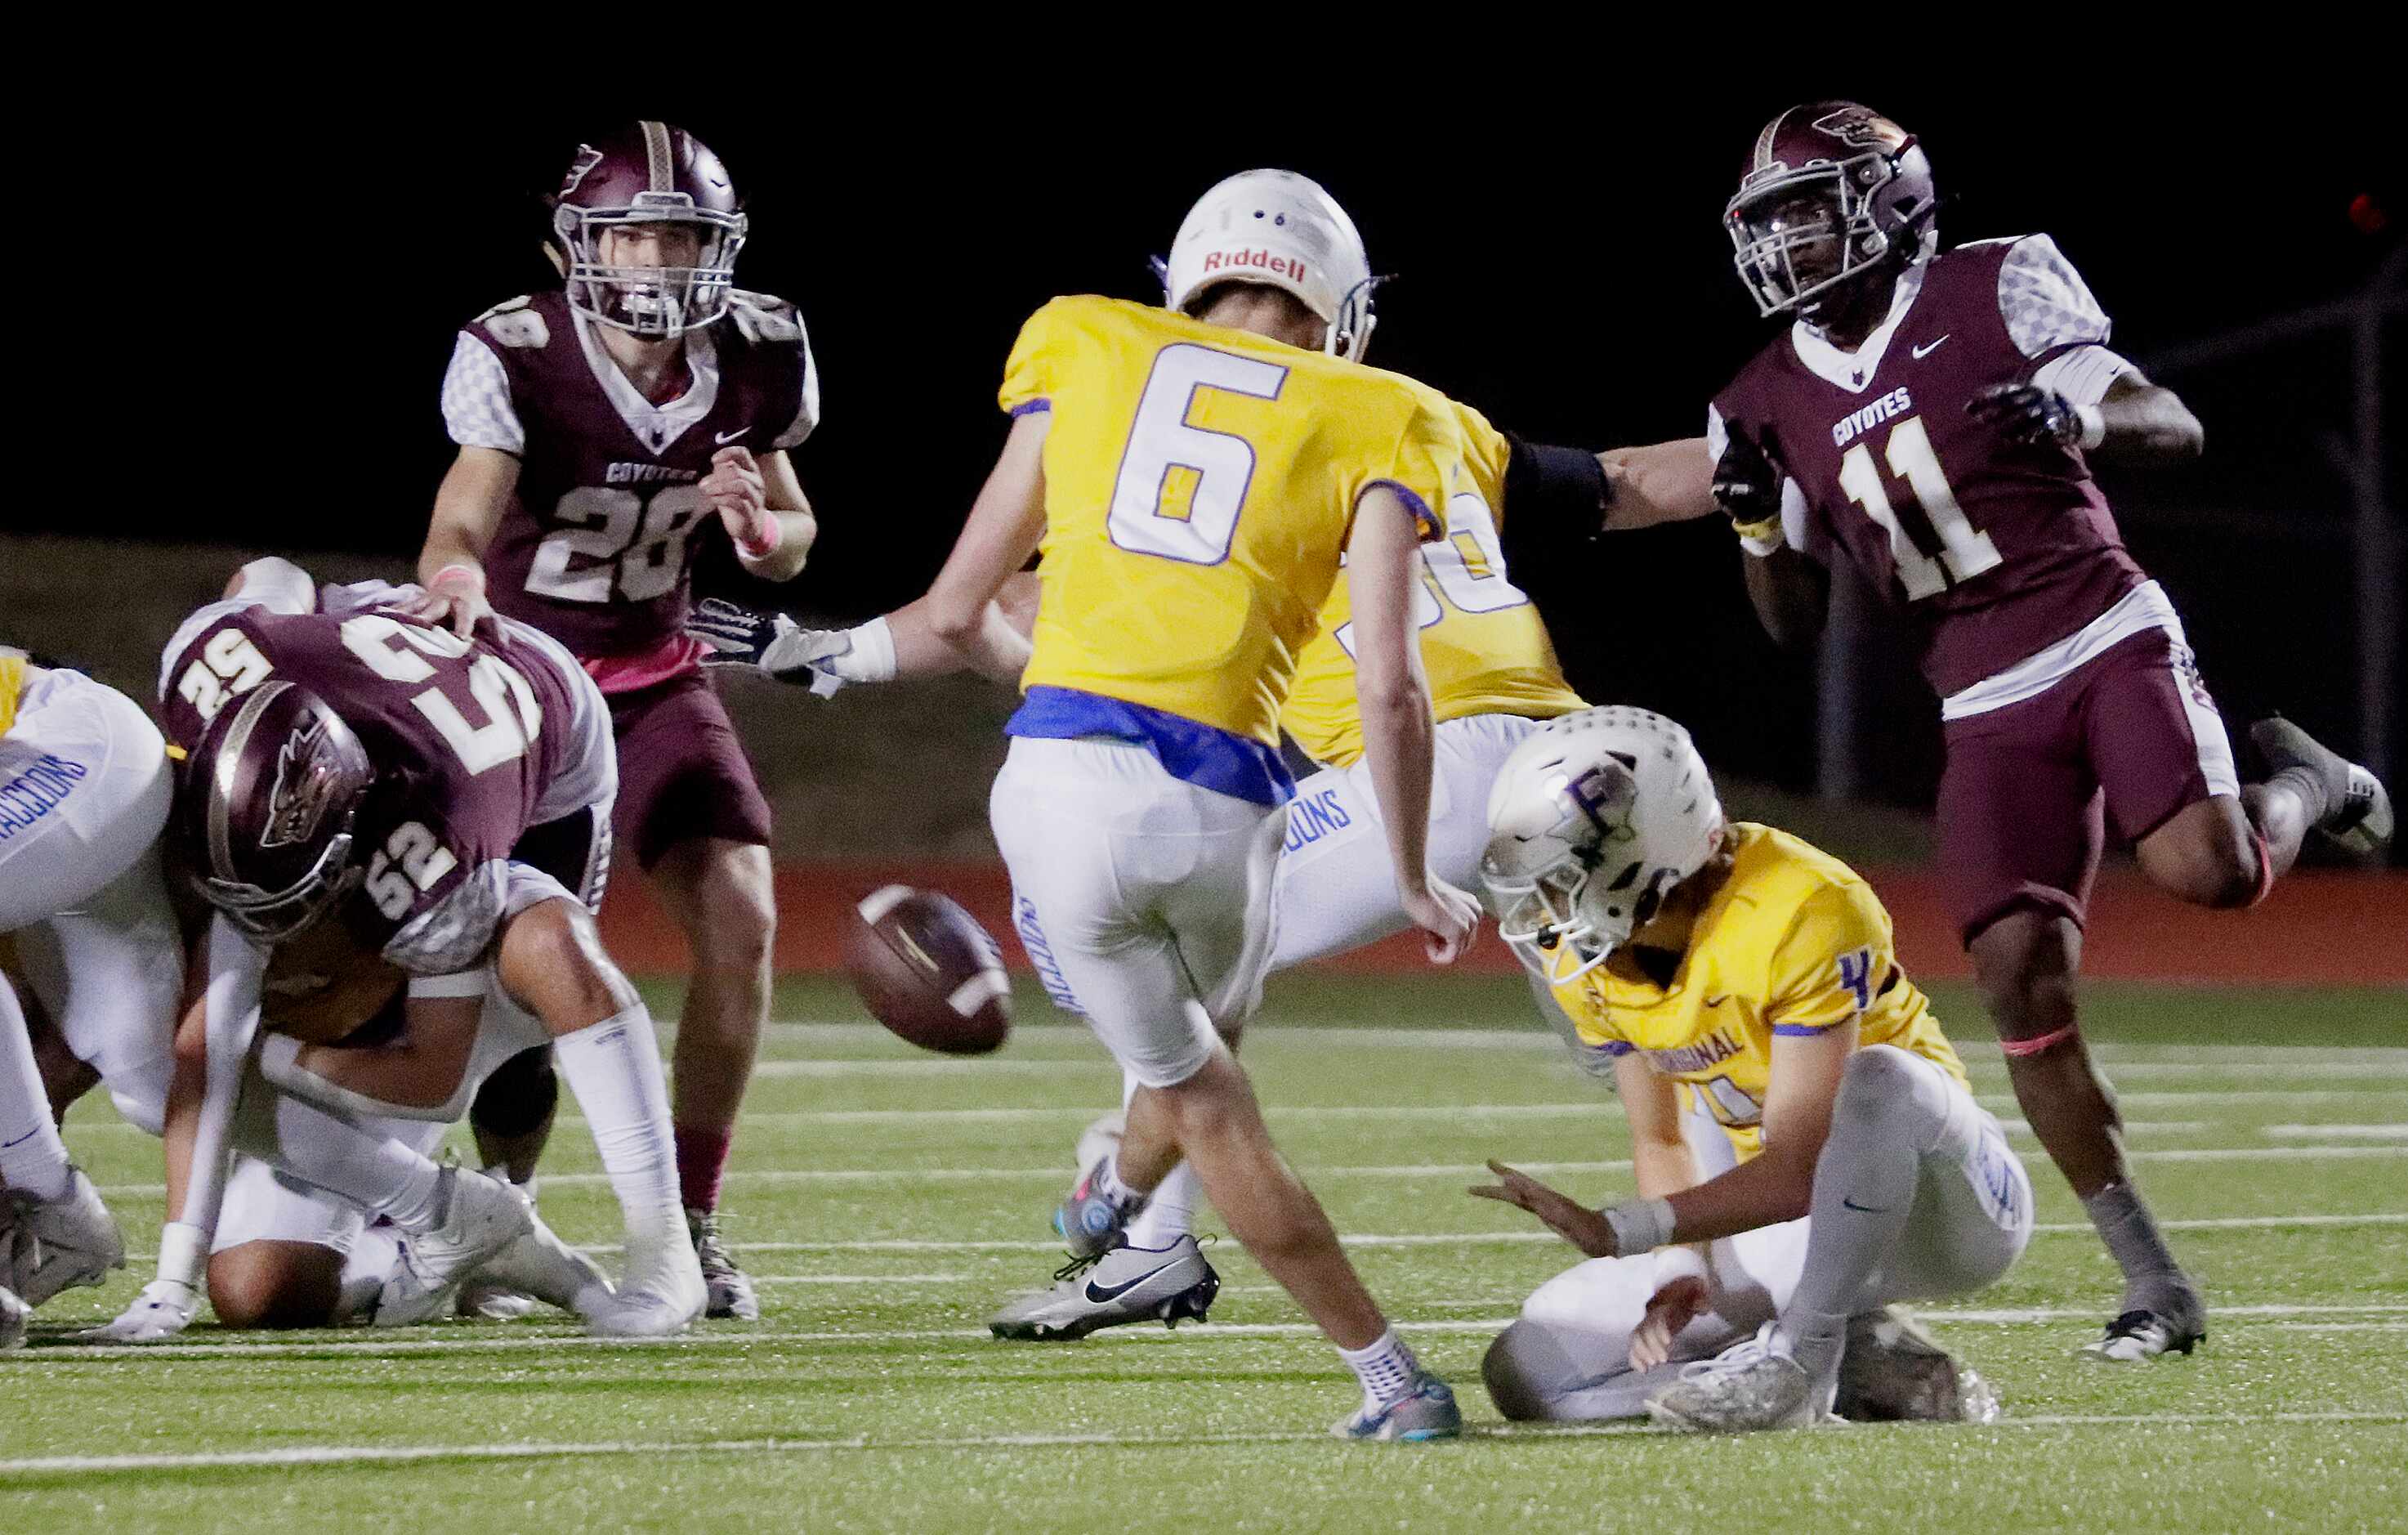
(888, 1200)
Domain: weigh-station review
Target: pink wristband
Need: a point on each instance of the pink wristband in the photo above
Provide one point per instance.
(773, 533)
(469, 578)
(2024, 1049)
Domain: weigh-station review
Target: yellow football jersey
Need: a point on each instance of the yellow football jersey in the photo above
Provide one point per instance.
(12, 682)
(1484, 645)
(1795, 941)
(1200, 483)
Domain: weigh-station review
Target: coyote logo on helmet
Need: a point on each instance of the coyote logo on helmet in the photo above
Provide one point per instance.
(305, 784)
(587, 158)
(1861, 126)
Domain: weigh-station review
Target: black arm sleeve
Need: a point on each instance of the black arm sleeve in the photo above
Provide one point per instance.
(1554, 498)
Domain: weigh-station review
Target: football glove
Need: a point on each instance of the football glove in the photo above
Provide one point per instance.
(770, 643)
(1747, 487)
(164, 1309)
(2027, 412)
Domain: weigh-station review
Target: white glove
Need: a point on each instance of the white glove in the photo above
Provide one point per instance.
(164, 1309)
(782, 648)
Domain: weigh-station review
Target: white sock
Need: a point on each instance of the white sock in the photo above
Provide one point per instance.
(33, 1159)
(377, 1172)
(374, 1254)
(1171, 1214)
(1110, 1183)
(1386, 1367)
(614, 1069)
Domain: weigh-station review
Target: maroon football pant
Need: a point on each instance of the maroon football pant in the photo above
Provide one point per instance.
(2032, 791)
(682, 773)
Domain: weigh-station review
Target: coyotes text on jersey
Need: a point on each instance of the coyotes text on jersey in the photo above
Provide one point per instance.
(595, 551)
(1993, 549)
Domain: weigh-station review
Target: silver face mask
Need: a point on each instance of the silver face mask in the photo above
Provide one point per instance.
(655, 301)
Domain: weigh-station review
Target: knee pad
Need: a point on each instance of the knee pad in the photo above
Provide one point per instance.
(1525, 1369)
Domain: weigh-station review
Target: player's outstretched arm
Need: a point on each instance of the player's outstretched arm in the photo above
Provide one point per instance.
(893, 647)
(1658, 483)
(1777, 1183)
(1392, 696)
(1004, 527)
(1791, 594)
(213, 1044)
(468, 508)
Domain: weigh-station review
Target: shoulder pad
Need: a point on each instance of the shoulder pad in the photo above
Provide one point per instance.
(454, 933)
(515, 322)
(763, 317)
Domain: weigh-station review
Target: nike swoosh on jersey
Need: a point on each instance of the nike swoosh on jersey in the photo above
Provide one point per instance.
(722, 438)
(1100, 1293)
(1869, 1209)
(1718, 1001)
(1921, 352)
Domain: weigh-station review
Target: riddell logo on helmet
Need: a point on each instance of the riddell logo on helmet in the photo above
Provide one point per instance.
(1277, 266)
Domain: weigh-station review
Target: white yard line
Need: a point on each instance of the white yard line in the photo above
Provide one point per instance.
(1408, 1170)
(1453, 1239)
(1604, 1103)
(2369, 1132)
(433, 1341)
(1536, 1037)
(860, 1278)
(355, 1455)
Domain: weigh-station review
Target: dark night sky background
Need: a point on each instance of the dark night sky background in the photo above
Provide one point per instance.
(1562, 267)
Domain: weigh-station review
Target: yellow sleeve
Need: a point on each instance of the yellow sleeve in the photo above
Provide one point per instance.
(1485, 453)
(1028, 375)
(1833, 962)
(1424, 469)
(12, 682)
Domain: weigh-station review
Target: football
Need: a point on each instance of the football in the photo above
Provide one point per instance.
(928, 971)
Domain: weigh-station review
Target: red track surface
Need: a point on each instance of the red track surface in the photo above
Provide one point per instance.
(2320, 928)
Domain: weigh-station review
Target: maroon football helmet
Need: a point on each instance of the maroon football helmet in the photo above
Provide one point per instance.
(1831, 190)
(648, 173)
(266, 808)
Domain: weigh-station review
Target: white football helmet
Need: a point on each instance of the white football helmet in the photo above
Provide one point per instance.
(1592, 821)
(1276, 227)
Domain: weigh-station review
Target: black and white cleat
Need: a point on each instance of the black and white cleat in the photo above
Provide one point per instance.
(2138, 1335)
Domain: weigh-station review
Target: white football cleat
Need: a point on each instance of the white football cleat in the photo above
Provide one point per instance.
(1752, 1384)
(482, 1216)
(63, 1243)
(1170, 1285)
(661, 1293)
(537, 1266)
(13, 1312)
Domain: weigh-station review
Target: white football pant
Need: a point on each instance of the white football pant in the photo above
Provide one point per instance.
(85, 785)
(1145, 902)
(1569, 1355)
(1337, 889)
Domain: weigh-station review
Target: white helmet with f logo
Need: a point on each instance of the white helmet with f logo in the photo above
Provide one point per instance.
(1276, 227)
(1592, 821)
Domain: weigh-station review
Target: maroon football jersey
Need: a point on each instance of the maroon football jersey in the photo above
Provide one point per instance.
(595, 551)
(1993, 549)
(463, 738)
